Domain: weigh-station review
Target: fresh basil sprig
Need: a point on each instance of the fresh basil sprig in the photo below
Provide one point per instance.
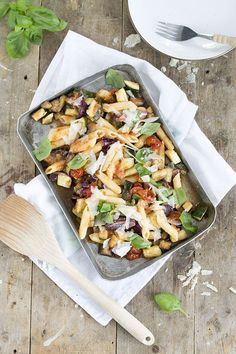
(150, 128)
(114, 79)
(27, 23)
(168, 302)
(43, 150)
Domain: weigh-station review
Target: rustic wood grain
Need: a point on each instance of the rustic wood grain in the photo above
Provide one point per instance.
(211, 326)
(17, 82)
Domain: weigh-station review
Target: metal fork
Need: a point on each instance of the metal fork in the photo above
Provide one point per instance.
(175, 32)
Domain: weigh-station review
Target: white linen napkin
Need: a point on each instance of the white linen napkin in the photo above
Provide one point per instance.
(76, 59)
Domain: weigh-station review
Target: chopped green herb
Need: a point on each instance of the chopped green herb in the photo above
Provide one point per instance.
(187, 222)
(199, 211)
(139, 242)
(156, 184)
(180, 195)
(150, 128)
(43, 150)
(168, 302)
(77, 162)
(114, 79)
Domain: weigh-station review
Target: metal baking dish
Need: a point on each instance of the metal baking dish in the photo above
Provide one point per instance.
(31, 133)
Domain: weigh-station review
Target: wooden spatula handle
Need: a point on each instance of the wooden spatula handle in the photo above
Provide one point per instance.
(225, 39)
(120, 315)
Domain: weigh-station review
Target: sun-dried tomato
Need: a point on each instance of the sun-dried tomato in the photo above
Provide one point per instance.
(145, 194)
(134, 253)
(153, 142)
(77, 173)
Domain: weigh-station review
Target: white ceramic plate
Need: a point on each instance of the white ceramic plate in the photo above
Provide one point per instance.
(204, 16)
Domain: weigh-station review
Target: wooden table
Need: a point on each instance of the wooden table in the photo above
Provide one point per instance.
(32, 307)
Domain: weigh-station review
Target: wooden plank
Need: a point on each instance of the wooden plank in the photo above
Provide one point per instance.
(18, 79)
(51, 308)
(214, 328)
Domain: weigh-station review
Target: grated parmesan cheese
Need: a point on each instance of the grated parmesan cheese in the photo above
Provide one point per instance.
(233, 290)
(210, 286)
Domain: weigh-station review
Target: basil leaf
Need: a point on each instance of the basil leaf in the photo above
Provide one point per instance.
(180, 195)
(46, 19)
(35, 35)
(104, 207)
(142, 171)
(77, 162)
(23, 5)
(187, 222)
(12, 19)
(150, 128)
(17, 44)
(4, 7)
(168, 302)
(142, 154)
(114, 79)
(139, 242)
(43, 150)
(106, 211)
(23, 21)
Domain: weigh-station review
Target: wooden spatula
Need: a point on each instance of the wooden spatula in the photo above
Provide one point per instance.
(24, 229)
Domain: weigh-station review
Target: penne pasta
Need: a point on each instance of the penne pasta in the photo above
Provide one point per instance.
(144, 221)
(141, 141)
(163, 223)
(131, 171)
(108, 182)
(55, 167)
(84, 223)
(162, 135)
(58, 133)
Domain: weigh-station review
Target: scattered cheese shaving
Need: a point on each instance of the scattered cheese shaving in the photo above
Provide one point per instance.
(191, 274)
(206, 293)
(121, 248)
(206, 272)
(173, 62)
(132, 40)
(53, 338)
(163, 69)
(105, 243)
(233, 290)
(210, 286)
